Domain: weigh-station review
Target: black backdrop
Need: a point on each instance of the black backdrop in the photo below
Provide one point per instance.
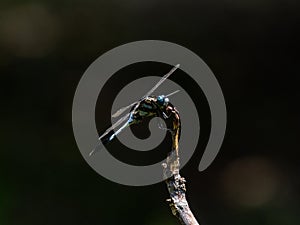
(45, 47)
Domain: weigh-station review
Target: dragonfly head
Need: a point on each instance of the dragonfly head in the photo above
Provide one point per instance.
(162, 100)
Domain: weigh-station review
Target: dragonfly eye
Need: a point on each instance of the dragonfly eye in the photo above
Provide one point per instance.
(161, 99)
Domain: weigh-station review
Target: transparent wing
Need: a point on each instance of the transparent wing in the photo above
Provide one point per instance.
(124, 118)
(116, 124)
(120, 111)
(162, 80)
(173, 93)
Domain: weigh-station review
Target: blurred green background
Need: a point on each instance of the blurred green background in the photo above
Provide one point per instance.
(250, 45)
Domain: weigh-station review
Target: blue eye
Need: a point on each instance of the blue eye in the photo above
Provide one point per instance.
(161, 99)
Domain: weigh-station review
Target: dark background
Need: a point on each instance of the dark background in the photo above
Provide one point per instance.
(45, 47)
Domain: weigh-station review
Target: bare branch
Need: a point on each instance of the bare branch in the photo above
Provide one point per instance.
(176, 184)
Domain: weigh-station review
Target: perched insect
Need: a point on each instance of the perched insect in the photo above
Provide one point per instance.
(147, 106)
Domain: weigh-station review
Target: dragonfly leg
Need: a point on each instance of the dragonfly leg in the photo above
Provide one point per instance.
(162, 127)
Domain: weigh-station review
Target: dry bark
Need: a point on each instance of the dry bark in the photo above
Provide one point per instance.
(175, 183)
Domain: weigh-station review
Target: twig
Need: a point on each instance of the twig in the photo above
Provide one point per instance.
(175, 183)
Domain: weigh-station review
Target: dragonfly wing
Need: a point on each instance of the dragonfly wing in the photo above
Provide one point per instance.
(116, 124)
(162, 80)
(173, 93)
(120, 111)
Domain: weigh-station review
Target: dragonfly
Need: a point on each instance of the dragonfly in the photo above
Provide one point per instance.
(147, 106)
